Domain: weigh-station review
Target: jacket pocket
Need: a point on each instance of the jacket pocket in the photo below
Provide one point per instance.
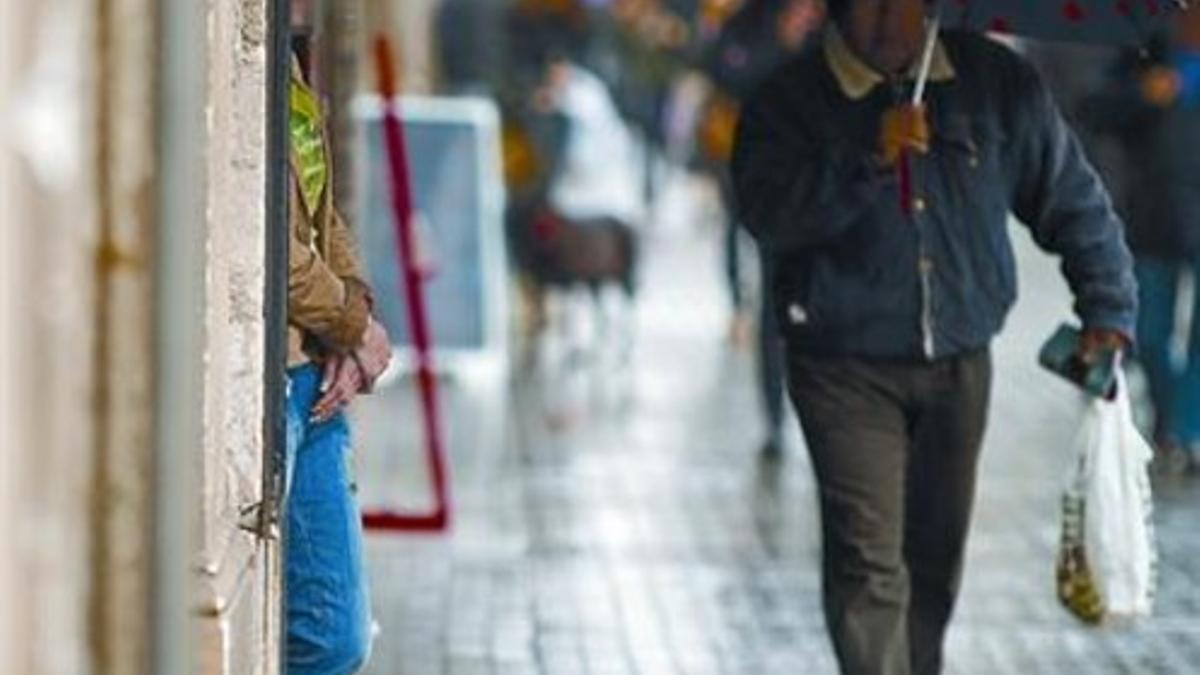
(972, 162)
(802, 295)
(823, 297)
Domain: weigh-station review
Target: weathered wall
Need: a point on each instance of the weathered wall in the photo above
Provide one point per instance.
(77, 171)
(237, 587)
(13, 430)
(49, 210)
(122, 484)
(76, 188)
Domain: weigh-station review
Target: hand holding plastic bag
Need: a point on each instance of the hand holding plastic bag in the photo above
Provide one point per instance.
(1107, 559)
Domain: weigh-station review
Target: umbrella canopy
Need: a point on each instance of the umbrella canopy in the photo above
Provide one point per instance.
(1112, 22)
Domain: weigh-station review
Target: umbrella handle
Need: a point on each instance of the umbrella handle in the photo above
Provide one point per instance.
(931, 38)
(903, 164)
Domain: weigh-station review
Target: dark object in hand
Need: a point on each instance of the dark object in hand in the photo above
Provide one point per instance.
(1093, 371)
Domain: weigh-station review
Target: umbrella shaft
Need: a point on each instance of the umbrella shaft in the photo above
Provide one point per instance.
(931, 38)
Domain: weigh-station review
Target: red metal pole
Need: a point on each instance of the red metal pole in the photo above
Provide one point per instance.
(418, 319)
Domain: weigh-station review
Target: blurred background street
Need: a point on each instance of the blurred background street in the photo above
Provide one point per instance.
(646, 535)
(623, 495)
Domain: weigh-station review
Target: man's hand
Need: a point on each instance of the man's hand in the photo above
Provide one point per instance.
(1161, 86)
(341, 382)
(1097, 341)
(375, 353)
(904, 128)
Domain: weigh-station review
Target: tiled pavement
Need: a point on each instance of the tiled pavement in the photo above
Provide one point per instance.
(602, 533)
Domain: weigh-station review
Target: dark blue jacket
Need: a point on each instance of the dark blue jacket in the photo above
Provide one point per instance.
(747, 49)
(855, 275)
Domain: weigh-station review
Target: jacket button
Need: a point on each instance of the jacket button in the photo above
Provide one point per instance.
(919, 205)
(797, 315)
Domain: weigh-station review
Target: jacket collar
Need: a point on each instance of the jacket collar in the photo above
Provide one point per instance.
(857, 79)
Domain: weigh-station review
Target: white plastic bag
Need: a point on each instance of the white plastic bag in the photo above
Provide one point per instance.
(1107, 559)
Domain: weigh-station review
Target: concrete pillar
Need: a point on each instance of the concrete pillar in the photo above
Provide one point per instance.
(13, 431)
(77, 179)
(121, 503)
(46, 179)
(238, 590)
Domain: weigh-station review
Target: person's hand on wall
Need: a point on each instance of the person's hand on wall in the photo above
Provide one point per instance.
(342, 380)
(375, 354)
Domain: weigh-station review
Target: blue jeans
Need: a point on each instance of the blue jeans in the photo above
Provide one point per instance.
(328, 612)
(1174, 387)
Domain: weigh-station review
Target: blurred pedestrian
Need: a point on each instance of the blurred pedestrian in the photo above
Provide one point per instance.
(755, 41)
(1152, 106)
(336, 351)
(650, 43)
(471, 45)
(540, 31)
(597, 174)
(889, 305)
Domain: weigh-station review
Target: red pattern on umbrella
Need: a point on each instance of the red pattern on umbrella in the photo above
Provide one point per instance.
(1116, 22)
(1073, 11)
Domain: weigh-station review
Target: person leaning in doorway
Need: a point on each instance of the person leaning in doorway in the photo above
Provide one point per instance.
(336, 351)
(888, 308)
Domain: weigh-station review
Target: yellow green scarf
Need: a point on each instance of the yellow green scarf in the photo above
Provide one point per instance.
(308, 144)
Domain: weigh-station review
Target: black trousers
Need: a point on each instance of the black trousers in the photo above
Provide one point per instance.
(770, 359)
(895, 447)
(732, 249)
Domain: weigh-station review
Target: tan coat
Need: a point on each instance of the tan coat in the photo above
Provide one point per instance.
(329, 300)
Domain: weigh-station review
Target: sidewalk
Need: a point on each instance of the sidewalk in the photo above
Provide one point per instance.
(647, 538)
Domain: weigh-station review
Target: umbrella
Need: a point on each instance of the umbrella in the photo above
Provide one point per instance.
(1111, 22)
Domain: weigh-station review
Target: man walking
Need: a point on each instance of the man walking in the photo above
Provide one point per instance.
(889, 301)
(336, 350)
